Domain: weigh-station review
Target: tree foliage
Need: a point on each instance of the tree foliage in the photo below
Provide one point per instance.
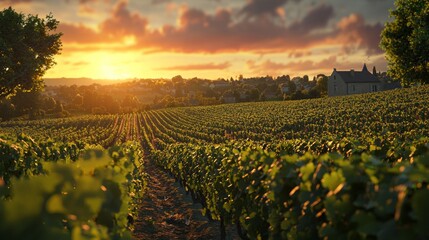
(406, 41)
(28, 45)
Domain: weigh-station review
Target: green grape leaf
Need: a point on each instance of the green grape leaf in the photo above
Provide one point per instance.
(307, 170)
(333, 180)
(55, 204)
(421, 209)
(366, 223)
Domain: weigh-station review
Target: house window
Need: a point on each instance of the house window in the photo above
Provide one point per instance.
(374, 88)
(353, 88)
(335, 88)
(335, 77)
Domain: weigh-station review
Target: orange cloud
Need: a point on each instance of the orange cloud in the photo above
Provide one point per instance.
(354, 32)
(204, 66)
(299, 54)
(269, 67)
(124, 23)
(80, 34)
(200, 32)
(115, 29)
(17, 1)
(323, 65)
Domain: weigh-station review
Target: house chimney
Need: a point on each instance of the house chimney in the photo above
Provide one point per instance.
(335, 69)
(352, 72)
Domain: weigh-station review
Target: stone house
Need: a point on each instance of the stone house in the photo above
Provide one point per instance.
(342, 83)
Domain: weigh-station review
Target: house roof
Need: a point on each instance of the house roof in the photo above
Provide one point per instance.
(363, 76)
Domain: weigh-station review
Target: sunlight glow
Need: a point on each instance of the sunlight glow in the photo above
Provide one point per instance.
(108, 71)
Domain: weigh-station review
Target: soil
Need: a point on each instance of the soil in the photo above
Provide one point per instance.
(168, 212)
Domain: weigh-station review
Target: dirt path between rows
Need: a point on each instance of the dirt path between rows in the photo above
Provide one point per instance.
(167, 212)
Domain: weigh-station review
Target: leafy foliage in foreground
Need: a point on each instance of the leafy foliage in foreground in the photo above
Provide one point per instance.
(93, 196)
(280, 196)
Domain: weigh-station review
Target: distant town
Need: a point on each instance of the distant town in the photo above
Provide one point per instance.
(64, 97)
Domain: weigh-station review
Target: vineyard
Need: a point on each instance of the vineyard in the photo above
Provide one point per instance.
(353, 167)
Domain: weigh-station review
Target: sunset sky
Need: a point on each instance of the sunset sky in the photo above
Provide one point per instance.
(212, 38)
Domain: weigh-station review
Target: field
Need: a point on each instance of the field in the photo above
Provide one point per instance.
(353, 167)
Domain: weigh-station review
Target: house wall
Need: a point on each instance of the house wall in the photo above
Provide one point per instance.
(336, 86)
(358, 88)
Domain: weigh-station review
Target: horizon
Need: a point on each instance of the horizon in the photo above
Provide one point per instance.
(158, 39)
(116, 80)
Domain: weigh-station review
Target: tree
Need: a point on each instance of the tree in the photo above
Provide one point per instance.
(7, 109)
(322, 85)
(177, 79)
(59, 107)
(78, 100)
(28, 45)
(305, 78)
(25, 102)
(253, 94)
(292, 87)
(49, 103)
(406, 41)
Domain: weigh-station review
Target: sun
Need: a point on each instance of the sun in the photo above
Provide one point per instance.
(112, 70)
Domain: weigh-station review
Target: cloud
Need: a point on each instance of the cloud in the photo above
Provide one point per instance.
(354, 31)
(92, 1)
(323, 65)
(87, 6)
(316, 18)
(79, 33)
(76, 64)
(17, 1)
(199, 32)
(299, 54)
(218, 32)
(255, 8)
(115, 29)
(203, 66)
(87, 1)
(123, 22)
(327, 64)
(155, 2)
(269, 67)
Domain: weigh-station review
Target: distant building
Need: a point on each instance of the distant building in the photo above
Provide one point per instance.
(342, 83)
(303, 84)
(228, 97)
(219, 84)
